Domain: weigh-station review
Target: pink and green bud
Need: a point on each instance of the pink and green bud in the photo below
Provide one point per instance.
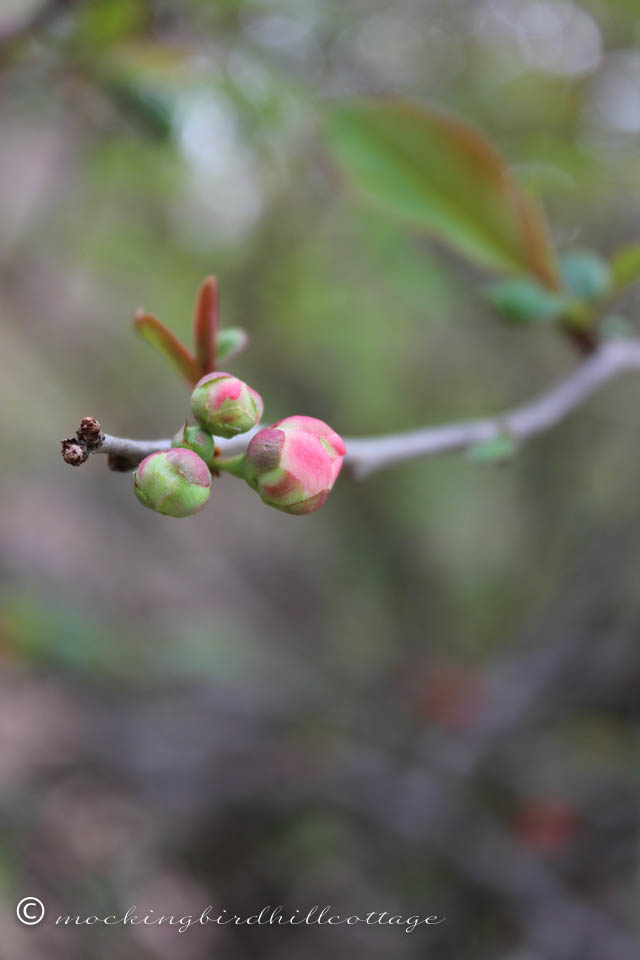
(294, 463)
(224, 405)
(175, 482)
(196, 439)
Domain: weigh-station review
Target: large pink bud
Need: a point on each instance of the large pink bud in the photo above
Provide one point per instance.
(294, 463)
(224, 405)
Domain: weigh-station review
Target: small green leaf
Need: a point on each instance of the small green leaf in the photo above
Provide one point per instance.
(614, 327)
(586, 274)
(498, 450)
(103, 23)
(155, 333)
(526, 302)
(435, 172)
(231, 340)
(625, 266)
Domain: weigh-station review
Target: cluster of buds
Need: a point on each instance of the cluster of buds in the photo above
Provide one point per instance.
(292, 464)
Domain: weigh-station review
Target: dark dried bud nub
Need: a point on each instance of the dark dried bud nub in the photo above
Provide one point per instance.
(90, 433)
(73, 453)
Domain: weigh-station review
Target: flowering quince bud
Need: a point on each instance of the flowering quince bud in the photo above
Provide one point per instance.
(196, 439)
(294, 463)
(174, 482)
(224, 405)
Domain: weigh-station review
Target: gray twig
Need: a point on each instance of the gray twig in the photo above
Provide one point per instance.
(366, 455)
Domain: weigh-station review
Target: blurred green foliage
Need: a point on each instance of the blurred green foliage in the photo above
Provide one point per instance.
(435, 171)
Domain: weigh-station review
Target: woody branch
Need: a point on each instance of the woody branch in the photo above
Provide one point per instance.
(366, 455)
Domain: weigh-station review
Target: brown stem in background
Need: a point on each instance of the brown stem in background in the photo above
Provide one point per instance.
(585, 340)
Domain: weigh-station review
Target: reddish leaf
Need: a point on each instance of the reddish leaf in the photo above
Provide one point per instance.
(155, 333)
(205, 326)
(435, 171)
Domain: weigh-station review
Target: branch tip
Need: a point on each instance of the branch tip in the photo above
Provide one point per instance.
(74, 453)
(89, 433)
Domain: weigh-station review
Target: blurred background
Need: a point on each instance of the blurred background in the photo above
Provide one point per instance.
(423, 699)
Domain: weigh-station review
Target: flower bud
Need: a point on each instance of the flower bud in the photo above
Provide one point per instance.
(294, 463)
(174, 482)
(196, 439)
(224, 405)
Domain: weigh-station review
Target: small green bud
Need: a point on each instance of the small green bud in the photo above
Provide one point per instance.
(498, 450)
(231, 340)
(586, 274)
(224, 405)
(174, 482)
(196, 439)
(614, 327)
(524, 301)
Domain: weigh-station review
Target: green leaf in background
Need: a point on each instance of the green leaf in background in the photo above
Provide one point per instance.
(105, 22)
(625, 266)
(149, 108)
(231, 341)
(155, 333)
(145, 80)
(498, 450)
(525, 301)
(586, 274)
(434, 171)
